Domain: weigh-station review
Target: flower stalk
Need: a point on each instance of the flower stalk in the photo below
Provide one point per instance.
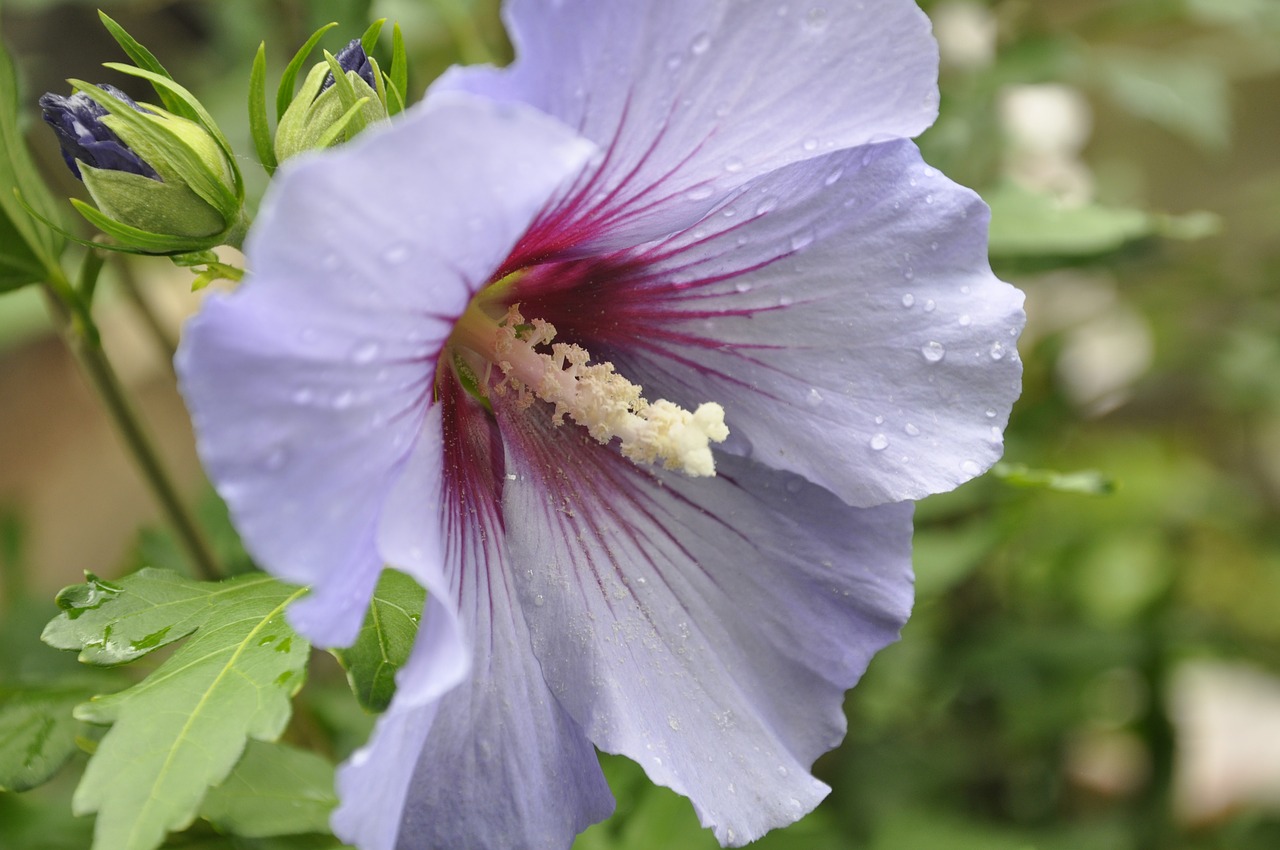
(75, 322)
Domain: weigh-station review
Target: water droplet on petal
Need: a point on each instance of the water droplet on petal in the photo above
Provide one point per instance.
(933, 351)
(673, 62)
(396, 254)
(929, 306)
(539, 600)
(928, 199)
(879, 443)
(365, 352)
(784, 300)
(742, 287)
(833, 177)
(810, 144)
(911, 430)
(700, 44)
(965, 321)
(991, 413)
(343, 400)
(970, 468)
(814, 398)
(997, 436)
(733, 165)
(302, 395)
(673, 722)
(793, 485)
(766, 205)
(908, 300)
(275, 460)
(800, 241)
(997, 351)
(816, 19)
(700, 193)
(908, 273)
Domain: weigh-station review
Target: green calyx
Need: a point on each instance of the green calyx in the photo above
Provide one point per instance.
(319, 119)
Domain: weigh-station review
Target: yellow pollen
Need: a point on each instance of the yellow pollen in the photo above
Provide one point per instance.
(594, 395)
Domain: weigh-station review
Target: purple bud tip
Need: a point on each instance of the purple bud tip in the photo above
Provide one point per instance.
(353, 58)
(77, 121)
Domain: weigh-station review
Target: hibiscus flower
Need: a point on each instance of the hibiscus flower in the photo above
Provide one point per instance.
(634, 355)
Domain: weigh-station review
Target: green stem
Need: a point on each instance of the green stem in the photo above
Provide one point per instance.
(81, 334)
(164, 340)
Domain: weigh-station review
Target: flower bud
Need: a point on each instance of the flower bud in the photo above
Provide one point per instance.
(327, 111)
(162, 182)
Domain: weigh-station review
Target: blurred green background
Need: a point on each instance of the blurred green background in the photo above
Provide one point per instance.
(1094, 661)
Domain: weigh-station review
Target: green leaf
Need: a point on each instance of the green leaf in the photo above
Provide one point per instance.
(385, 640)
(183, 728)
(1029, 224)
(258, 126)
(1088, 482)
(26, 246)
(284, 94)
(274, 790)
(37, 732)
(1184, 95)
(144, 59)
(369, 39)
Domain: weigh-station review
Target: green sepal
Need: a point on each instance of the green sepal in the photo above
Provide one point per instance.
(145, 59)
(203, 118)
(129, 237)
(71, 237)
(172, 209)
(258, 125)
(284, 93)
(369, 39)
(399, 73)
(346, 89)
(338, 128)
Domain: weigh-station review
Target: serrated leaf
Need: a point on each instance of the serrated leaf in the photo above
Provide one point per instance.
(383, 644)
(183, 728)
(1029, 224)
(35, 247)
(275, 789)
(37, 733)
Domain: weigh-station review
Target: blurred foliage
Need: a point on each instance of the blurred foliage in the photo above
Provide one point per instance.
(1133, 529)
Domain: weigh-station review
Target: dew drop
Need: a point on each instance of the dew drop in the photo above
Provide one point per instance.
(673, 62)
(302, 395)
(343, 400)
(911, 430)
(816, 19)
(929, 306)
(991, 413)
(396, 254)
(793, 485)
(800, 241)
(997, 351)
(964, 290)
(970, 468)
(729, 212)
(722, 110)
(539, 600)
(700, 193)
(276, 459)
(833, 177)
(933, 351)
(933, 246)
(965, 320)
(365, 352)
(928, 199)
(814, 398)
(879, 443)
(733, 165)
(782, 770)
(997, 436)
(766, 205)
(742, 287)
(673, 722)
(732, 789)
(908, 273)
(784, 301)
(908, 300)
(700, 44)
(810, 144)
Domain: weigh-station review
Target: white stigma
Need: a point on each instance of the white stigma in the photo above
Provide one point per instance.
(596, 397)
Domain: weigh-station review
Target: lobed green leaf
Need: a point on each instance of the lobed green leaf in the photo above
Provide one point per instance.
(183, 728)
(274, 790)
(37, 732)
(385, 640)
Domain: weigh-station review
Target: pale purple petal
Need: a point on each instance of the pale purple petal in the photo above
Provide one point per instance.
(308, 385)
(842, 311)
(503, 766)
(690, 98)
(707, 628)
